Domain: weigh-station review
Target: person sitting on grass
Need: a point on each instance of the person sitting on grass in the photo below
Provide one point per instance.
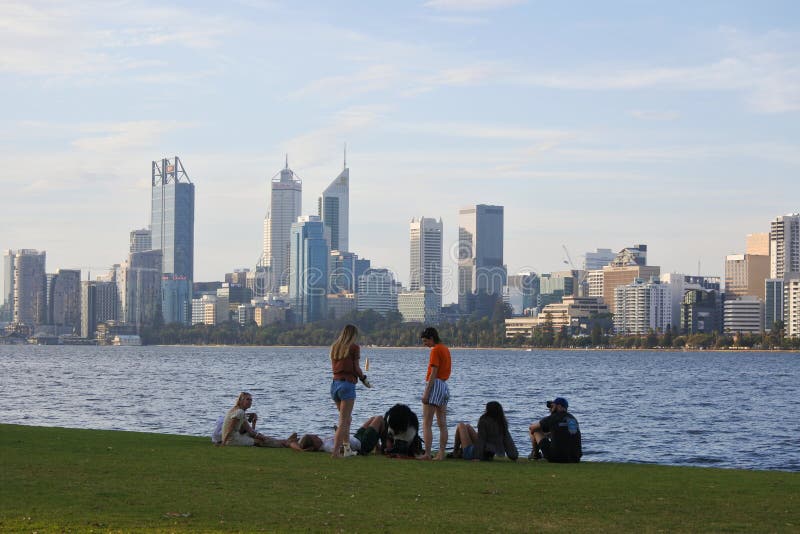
(364, 441)
(491, 439)
(237, 431)
(556, 437)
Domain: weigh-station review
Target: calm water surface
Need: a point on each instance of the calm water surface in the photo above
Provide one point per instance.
(722, 409)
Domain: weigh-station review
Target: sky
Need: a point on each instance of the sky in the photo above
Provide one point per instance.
(595, 124)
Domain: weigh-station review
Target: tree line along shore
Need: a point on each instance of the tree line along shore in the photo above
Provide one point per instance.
(391, 331)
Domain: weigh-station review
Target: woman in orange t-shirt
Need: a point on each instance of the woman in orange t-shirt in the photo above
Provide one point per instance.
(436, 395)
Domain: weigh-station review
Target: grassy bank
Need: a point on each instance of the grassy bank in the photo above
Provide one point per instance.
(82, 480)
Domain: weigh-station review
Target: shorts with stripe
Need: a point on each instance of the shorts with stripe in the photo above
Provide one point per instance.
(439, 394)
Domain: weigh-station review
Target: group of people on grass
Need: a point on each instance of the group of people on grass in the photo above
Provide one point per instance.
(556, 437)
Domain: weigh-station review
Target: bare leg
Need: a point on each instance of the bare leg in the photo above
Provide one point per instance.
(427, 428)
(343, 432)
(441, 421)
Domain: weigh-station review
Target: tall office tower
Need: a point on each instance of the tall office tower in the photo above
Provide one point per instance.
(172, 228)
(745, 275)
(481, 273)
(308, 273)
(642, 306)
(64, 300)
(140, 288)
(758, 244)
(773, 302)
(521, 291)
(426, 260)
(344, 270)
(598, 259)
(334, 208)
(98, 304)
(377, 290)
(285, 205)
(141, 240)
(7, 294)
(30, 290)
(784, 246)
(701, 311)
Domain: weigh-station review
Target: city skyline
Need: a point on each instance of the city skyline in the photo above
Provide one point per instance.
(595, 127)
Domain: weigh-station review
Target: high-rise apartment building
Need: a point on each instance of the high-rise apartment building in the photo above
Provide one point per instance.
(64, 300)
(140, 285)
(308, 275)
(172, 230)
(30, 287)
(481, 272)
(426, 261)
(784, 246)
(377, 290)
(99, 302)
(334, 209)
(629, 264)
(8, 284)
(141, 240)
(792, 306)
(642, 306)
(773, 302)
(286, 197)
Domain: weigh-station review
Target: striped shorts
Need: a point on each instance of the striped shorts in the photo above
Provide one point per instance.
(439, 394)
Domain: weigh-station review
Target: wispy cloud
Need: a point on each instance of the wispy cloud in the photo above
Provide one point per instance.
(654, 115)
(471, 5)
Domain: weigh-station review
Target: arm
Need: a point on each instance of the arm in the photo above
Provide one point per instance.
(356, 367)
(429, 385)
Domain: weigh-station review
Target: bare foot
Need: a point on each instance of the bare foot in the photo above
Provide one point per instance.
(439, 456)
(425, 457)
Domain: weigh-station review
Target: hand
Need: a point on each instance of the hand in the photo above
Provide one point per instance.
(365, 381)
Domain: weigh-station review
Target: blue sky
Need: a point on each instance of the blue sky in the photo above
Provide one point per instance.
(596, 124)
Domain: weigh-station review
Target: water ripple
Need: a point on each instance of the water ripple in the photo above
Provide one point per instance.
(679, 408)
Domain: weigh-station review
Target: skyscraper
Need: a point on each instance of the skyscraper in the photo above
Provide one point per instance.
(426, 258)
(64, 300)
(481, 273)
(172, 230)
(334, 209)
(285, 206)
(784, 246)
(141, 240)
(30, 287)
(99, 302)
(308, 279)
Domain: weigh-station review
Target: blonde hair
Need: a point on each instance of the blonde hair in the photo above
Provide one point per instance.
(240, 399)
(341, 346)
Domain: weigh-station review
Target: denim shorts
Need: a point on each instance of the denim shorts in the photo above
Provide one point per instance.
(469, 452)
(342, 390)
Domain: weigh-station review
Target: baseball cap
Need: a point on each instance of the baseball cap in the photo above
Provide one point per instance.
(562, 401)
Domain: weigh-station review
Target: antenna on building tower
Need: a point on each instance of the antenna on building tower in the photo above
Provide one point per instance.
(287, 161)
(345, 156)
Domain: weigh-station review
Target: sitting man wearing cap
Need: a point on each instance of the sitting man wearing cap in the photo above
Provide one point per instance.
(557, 437)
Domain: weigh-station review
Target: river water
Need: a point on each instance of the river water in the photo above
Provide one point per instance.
(723, 409)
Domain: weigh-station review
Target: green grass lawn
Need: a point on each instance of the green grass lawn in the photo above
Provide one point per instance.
(66, 480)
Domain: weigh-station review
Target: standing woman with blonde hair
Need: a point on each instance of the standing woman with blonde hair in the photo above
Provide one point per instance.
(346, 372)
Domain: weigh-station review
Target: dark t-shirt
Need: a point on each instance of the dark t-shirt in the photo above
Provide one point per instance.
(565, 437)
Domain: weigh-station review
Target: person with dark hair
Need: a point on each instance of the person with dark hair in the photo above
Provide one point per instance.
(346, 373)
(556, 437)
(436, 394)
(491, 439)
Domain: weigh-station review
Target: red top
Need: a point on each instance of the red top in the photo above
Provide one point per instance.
(347, 368)
(440, 357)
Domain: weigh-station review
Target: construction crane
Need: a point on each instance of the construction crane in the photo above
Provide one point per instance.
(581, 274)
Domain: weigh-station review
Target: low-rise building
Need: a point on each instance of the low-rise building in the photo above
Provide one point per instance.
(744, 315)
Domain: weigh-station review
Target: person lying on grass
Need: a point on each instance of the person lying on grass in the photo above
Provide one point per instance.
(237, 431)
(365, 440)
